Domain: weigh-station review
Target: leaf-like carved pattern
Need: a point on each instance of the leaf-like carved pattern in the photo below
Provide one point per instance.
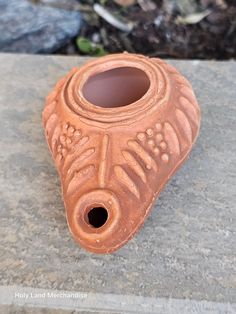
(80, 158)
(79, 177)
(49, 110)
(153, 148)
(171, 139)
(186, 118)
(125, 180)
(70, 152)
(143, 154)
(189, 109)
(167, 139)
(184, 124)
(188, 92)
(76, 148)
(54, 138)
(50, 126)
(52, 101)
(134, 165)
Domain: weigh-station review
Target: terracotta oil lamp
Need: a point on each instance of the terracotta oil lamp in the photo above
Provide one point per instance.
(118, 128)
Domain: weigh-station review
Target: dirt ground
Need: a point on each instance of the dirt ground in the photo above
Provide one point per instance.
(204, 29)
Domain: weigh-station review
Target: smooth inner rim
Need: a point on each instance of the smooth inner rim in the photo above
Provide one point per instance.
(116, 87)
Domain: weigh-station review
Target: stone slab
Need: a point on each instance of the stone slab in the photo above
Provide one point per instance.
(186, 250)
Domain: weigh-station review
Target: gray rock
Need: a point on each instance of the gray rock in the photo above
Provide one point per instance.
(30, 28)
(62, 4)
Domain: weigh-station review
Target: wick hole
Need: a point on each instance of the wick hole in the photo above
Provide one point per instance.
(97, 217)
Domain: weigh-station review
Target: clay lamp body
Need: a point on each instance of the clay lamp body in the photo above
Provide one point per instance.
(118, 128)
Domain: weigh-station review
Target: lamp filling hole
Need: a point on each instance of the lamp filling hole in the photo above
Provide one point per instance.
(116, 87)
(97, 217)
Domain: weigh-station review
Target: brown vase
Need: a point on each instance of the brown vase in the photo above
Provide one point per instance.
(118, 128)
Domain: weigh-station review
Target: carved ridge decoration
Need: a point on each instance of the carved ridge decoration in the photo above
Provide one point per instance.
(118, 158)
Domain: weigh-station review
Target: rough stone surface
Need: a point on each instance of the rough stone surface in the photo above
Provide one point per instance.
(62, 4)
(186, 248)
(12, 309)
(26, 27)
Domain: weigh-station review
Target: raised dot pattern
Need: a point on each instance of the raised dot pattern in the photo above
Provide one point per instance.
(68, 138)
(153, 139)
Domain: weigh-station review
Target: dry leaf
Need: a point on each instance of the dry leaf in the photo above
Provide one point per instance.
(193, 18)
(125, 3)
(147, 5)
(108, 16)
(184, 7)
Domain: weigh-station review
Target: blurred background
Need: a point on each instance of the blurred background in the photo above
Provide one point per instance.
(187, 29)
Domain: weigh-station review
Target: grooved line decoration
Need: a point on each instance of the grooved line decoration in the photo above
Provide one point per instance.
(79, 177)
(189, 109)
(171, 138)
(51, 124)
(134, 165)
(70, 157)
(184, 124)
(102, 166)
(143, 154)
(84, 156)
(55, 135)
(186, 114)
(125, 179)
(49, 110)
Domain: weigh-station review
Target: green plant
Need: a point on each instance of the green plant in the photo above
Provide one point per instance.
(87, 47)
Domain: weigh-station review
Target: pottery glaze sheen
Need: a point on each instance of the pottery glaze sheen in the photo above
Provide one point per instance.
(118, 128)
